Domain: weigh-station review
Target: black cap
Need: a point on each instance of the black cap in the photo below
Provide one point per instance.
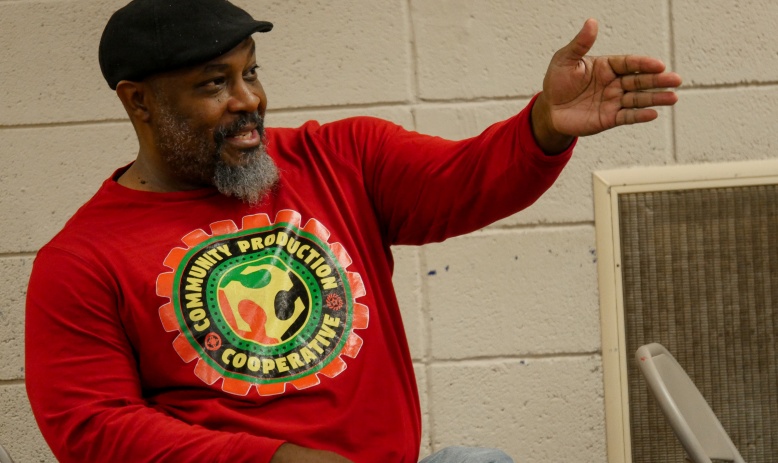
(150, 36)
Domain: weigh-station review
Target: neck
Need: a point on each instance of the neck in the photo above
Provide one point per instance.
(143, 176)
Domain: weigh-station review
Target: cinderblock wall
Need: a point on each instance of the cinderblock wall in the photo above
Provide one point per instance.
(503, 323)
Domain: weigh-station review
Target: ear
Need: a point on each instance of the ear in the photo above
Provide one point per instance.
(135, 96)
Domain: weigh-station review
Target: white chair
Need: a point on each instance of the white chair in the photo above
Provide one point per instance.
(694, 423)
(4, 457)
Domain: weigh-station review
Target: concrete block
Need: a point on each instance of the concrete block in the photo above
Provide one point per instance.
(457, 121)
(49, 173)
(500, 48)
(725, 42)
(398, 114)
(50, 71)
(324, 53)
(536, 410)
(734, 124)
(13, 290)
(407, 285)
(18, 431)
(498, 293)
(570, 199)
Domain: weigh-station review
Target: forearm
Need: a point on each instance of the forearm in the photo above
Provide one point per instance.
(91, 415)
(141, 434)
(290, 453)
(546, 136)
(84, 386)
(454, 187)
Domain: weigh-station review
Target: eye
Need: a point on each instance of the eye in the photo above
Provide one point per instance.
(251, 74)
(214, 83)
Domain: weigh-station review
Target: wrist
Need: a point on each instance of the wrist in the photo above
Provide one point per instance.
(546, 136)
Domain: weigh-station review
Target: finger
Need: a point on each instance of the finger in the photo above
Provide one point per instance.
(634, 100)
(583, 41)
(635, 82)
(631, 64)
(635, 116)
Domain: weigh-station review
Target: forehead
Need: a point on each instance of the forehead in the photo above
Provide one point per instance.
(242, 52)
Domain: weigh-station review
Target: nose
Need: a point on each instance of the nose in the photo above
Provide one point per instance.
(245, 98)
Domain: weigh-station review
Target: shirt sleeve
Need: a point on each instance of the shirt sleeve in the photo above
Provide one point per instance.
(82, 378)
(426, 189)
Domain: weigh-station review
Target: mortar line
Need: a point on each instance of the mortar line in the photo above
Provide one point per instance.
(671, 53)
(16, 255)
(418, 103)
(674, 134)
(729, 86)
(427, 356)
(546, 226)
(47, 125)
(671, 34)
(413, 53)
(336, 107)
(11, 382)
(11, 2)
(491, 359)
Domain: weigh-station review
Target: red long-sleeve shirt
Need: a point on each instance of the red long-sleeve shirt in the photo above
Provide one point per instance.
(188, 326)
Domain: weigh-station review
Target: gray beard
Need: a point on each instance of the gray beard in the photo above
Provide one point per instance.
(252, 182)
(194, 158)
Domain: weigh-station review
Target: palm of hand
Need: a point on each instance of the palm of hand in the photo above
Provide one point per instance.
(587, 99)
(588, 95)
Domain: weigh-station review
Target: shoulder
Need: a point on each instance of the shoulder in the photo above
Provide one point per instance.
(353, 125)
(349, 139)
(88, 222)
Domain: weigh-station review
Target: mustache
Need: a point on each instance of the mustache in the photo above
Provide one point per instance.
(244, 120)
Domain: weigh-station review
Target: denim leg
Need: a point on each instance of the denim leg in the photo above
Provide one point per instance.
(468, 455)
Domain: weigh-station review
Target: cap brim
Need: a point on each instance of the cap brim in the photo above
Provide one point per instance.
(263, 26)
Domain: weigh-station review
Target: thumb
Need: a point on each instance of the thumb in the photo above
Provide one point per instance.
(583, 42)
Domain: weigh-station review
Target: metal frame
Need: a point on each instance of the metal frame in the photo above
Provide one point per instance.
(608, 185)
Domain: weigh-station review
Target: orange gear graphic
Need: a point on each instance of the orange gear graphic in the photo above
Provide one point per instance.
(190, 347)
(334, 302)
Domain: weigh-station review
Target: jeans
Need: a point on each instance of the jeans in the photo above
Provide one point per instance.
(468, 455)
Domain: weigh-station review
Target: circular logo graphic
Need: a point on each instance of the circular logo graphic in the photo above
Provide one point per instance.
(264, 306)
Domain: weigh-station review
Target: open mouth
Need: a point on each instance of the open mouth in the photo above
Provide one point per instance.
(243, 135)
(247, 138)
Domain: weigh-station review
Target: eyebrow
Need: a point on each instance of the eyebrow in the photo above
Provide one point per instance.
(223, 66)
(214, 67)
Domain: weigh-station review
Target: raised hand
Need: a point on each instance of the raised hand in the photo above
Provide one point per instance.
(584, 95)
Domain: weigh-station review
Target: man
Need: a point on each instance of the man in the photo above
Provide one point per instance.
(227, 296)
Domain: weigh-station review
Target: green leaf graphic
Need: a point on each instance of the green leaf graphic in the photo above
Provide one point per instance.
(252, 280)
